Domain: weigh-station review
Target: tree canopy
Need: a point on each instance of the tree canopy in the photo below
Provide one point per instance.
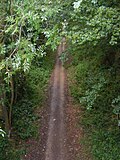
(28, 28)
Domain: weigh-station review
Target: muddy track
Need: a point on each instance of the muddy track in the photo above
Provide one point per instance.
(56, 142)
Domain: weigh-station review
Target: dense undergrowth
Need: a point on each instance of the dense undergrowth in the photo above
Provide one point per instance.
(33, 96)
(94, 48)
(26, 61)
(25, 124)
(95, 85)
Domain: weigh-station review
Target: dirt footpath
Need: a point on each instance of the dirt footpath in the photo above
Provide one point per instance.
(59, 136)
(56, 142)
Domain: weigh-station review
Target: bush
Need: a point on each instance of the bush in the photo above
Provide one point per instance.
(7, 152)
(96, 88)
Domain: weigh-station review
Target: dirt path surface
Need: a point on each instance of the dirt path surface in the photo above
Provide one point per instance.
(56, 142)
(59, 134)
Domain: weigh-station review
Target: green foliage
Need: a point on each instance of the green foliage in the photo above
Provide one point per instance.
(106, 145)
(6, 150)
(37, 79)
(27, 32)
(92, 28)
(102, 135)
(116, 105)
(97, 94)
(93, 34)
(3, 146)
(97, 22)
(34, 95)
(96, 88)
(64, 57)
(24, 118)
